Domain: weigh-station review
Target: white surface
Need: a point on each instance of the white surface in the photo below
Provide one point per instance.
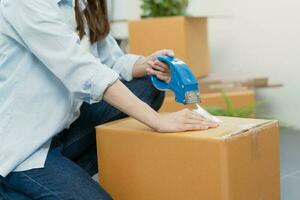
(251, 38)
(262, 39)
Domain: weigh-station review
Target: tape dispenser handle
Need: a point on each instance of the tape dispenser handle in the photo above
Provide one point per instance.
(160, 84)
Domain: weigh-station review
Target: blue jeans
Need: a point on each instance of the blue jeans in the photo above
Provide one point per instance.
(72, 158)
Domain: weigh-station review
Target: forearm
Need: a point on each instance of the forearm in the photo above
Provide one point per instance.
(119, 96)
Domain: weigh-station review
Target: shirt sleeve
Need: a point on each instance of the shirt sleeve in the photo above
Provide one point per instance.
(40, 25)
(109, 52)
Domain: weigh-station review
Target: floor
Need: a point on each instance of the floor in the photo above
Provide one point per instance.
(290, 164)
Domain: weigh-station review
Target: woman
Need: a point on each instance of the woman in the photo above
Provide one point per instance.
(55, 55)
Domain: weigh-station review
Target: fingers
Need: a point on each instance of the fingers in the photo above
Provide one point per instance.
(212, 123)
(196, 116)
(157, 73)
(160, 75)
(190, 119)
(195, 120)
(183, 120)
(159, 69)
(160, 66)
(167, 52)
(163, 52)
(164, 78)
(195, 127)
(207, 124)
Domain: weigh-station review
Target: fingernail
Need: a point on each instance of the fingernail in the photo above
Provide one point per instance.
(204, 127)
(171, 54)
(150, 62)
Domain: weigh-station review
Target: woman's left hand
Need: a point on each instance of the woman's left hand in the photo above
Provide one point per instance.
(152, 66)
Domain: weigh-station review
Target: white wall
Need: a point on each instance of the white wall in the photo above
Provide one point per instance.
(261, 38)
(247, 39)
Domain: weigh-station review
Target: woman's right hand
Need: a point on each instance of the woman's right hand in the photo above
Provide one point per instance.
(183, 120)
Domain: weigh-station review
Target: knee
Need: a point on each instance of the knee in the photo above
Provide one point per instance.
(158, 100)
(144, 89)
(156, 96)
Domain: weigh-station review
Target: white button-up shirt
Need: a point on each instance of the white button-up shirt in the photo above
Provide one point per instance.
(45, 75)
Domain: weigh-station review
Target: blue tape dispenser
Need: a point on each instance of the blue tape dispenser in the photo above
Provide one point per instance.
(183, 82)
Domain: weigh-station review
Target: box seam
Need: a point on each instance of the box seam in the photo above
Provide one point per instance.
(224, 171)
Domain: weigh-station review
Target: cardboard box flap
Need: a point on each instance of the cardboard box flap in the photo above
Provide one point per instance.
(229, 128)
(242, 125)
(232, 127)
(170, 17)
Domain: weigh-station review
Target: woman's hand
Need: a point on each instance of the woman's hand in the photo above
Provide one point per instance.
(184, 120)
(152, 66)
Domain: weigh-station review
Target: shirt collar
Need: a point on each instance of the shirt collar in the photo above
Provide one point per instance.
(68, 2)
(82, 3)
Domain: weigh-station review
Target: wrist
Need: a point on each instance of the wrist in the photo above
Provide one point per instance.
(154, 120)
(139, 68)
(151, 116)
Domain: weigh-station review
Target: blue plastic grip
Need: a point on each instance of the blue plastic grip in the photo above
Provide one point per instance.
(160, 84)
(182, 79)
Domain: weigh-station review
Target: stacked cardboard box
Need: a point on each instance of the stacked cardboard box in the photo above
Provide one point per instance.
(239, 99)
(237, 161)
(241, 93)
(187, 36)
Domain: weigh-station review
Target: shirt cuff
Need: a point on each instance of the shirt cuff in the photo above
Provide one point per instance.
(124, 65)
(99, 84)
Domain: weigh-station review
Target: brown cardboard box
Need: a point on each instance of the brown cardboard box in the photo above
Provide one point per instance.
(237, 161)
(187, 36)
(210, 86)
(239, 99)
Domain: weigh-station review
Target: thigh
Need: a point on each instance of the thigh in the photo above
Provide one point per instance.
(6, 193)
(144, 90)
(60, 179)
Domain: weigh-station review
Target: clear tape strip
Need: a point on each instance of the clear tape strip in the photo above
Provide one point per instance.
(206, 114)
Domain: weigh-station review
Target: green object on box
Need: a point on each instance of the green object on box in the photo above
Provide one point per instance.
(160, 8)
(242, 112)
(230, 111)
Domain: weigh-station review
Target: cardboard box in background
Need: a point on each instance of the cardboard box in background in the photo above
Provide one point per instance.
(213, 86)
(237, 161)
(187, 36)
(239, 99)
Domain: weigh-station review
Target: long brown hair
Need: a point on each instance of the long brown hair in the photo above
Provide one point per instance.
(96, 18)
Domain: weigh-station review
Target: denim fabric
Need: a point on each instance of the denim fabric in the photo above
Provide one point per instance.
(72, 158)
